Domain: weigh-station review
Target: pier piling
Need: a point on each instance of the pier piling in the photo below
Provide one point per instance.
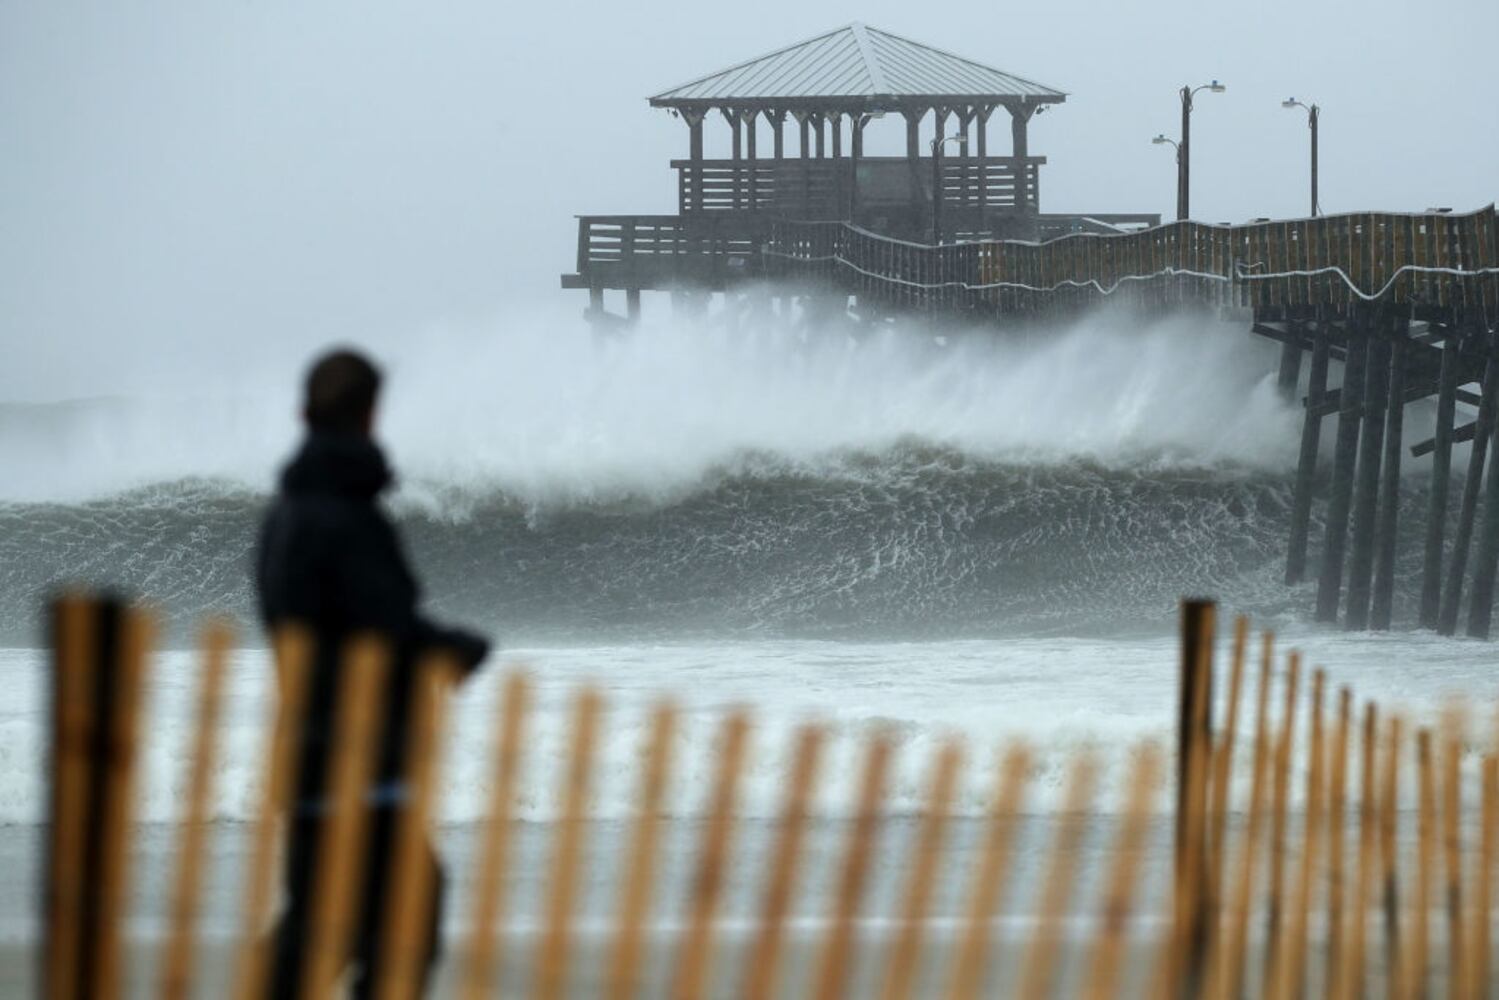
(1441, 478)
(1306, 465)
(1463, 538)
(1387, 518)
(1335, 540)
(1366, 487)
(1481, 612)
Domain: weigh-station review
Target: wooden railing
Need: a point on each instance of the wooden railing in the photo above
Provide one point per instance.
(1336, 904)
(1436, 260)
(664, 251)
(828, 188)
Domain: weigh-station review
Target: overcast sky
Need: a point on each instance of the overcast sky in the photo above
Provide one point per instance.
(200, 174)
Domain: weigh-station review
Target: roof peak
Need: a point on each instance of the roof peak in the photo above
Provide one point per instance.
(853, 62)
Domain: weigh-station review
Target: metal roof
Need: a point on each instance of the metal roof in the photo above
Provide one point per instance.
(856, 62)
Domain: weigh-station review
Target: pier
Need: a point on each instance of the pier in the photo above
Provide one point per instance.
(1407, 305)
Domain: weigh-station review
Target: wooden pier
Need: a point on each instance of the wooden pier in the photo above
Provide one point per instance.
(1407, 305)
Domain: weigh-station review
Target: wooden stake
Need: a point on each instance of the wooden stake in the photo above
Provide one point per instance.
(764, 964)
(1351, 978)
(177, 956)
(1389, 813)
(1336, 842)
(906, 952)
(837, 954)
(1192, 872)
(640, 863)
(287, 711)
(1452, 847)
(1039, 968)
(988, 884)
(1223, 765)
(1416, 968)
(1292, 983)
(74, 722)
(1483, 882)
(1108, 946)
(1283, 751)
(341, 849)
(1230, 965)
(403, 941)
(107, 968)
(483, 953)
(695, 958)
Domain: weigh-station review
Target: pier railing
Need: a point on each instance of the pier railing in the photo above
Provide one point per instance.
(1358, 858)
(828, 188)
(1436, 259)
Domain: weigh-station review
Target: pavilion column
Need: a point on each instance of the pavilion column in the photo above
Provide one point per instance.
(939, 150)
(856, 142)
(965, 153)
(736, 154)
(913, 118)
(694, 200)
(983, 165)
(751, 119)
(837, 122)
(804, 123)
(818, 120)
(1020, 116)
(777, 121)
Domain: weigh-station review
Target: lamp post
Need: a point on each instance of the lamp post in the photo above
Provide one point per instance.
(1312, 113)
(1161, 140)
(1184, 151)
(937, 144)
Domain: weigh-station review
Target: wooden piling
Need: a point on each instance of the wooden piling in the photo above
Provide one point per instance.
(1366, 487)
(1387, 519)
(1441, 480)
(1481, 611)
(1452, 594)
(1306, 465)
(1350, 401)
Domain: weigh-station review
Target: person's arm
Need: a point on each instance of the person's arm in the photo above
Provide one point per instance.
(381, 594)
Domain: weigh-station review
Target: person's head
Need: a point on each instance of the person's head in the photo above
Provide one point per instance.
(341, 390)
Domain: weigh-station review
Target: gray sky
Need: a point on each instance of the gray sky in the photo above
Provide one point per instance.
(194, 176)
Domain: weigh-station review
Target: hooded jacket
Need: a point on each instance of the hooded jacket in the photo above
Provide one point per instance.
(330, 559)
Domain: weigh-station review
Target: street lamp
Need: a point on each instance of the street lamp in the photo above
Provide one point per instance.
(1184, 151)
(1312, 113)
(937, 144)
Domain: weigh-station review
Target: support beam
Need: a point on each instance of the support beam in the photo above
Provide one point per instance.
(1306, 466)
(1366, 485)
(1452, 594)
(1441, 479)
(1290, 366)
(1481, 612)
(1335, 540)
(1389, 484)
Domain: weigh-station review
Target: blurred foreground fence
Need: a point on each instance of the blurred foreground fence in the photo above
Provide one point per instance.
(1283, 902)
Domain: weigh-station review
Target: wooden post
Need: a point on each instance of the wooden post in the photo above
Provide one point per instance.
(777, 119)
(1330, 582)
(1366, 489)
(1441, 479)
(1280, 791)
(750, 118)
(1290, 361)
(694, 121)
(1306, 466)
(983, 166)
(1453, 593)
(1481, 611)
(1194, 736)
(1389, 486)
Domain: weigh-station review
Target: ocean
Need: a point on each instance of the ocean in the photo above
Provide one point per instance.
(934, 533)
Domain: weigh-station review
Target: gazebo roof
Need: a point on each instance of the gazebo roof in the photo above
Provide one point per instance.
(856, 65)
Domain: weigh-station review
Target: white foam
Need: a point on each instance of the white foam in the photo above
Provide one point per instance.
(1059, 695)
(532, 405)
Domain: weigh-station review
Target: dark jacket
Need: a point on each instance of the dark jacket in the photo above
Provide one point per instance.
(329, 558)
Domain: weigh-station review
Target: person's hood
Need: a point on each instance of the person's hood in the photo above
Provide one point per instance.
(339, 463)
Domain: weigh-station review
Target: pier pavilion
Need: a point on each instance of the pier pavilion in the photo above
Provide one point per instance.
(820, 95)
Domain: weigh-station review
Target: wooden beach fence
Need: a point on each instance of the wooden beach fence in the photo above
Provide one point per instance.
(1377, 881)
